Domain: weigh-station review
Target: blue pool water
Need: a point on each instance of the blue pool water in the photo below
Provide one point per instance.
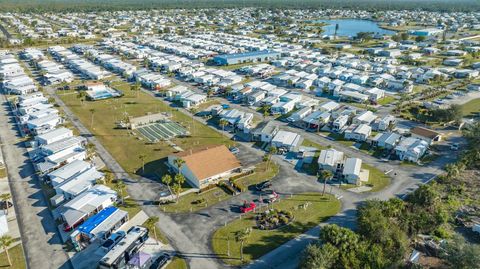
(351, 27)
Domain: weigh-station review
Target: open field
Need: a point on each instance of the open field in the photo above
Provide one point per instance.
(262, 241)
(16, 255)
(127, 146)
(471, 108)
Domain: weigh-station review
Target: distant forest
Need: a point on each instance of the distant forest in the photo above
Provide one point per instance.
(111, 5)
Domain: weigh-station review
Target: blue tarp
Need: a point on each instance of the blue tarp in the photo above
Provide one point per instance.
(96, 220)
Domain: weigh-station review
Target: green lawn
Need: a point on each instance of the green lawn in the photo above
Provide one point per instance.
(177, 263)
(16, 255)
(261, 242)
(471, 108)
(377, 179)
(261, 174)
(309, 143)
(126, 146)
(188, 203)
(386, 100)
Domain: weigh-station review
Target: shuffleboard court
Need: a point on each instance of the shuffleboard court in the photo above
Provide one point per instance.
(161, 131)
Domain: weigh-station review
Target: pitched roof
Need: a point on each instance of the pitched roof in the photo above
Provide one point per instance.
(424, 132)
(209, 161)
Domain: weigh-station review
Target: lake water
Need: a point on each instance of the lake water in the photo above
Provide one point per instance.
(350, 27)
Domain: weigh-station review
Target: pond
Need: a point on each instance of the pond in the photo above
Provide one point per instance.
(351, 27)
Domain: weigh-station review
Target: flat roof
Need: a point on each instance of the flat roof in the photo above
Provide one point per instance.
(54, 133)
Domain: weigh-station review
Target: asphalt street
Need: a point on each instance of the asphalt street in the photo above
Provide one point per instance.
(42, 245)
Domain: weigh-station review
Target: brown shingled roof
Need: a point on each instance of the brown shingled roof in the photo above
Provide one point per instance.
(424, 132)
(209, 161)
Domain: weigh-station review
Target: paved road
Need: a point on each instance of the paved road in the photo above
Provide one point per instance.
(42, 245)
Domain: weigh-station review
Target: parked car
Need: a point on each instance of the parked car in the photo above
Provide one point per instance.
(234, 150)
(263, 185)
(247, 207)
(113, 240)
(271, 197)
(160, 261)
(225, 106)
(454, 147)
(5, 204)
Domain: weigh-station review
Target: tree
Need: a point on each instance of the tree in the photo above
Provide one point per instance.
(5, 242)
(82, 95)
(120, 188)
(223, 123)
(92, 112)
(337, 26)
(325, 175)
(346, 241)
(319, 257)
(5, 198)
(142, 159)
(177, 189)
(404, 36)
(179, 178)
(136, 88)
(90, 149)
(179, 163)
(242, 237)
(151, 224)
(266, 158)
(109, 177)
(460, 254)
(167, 180)
(420, 38)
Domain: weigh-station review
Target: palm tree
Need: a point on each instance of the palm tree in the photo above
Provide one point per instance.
(5, 197)
(81, 95)
(151, 224)
(179, 163)
(92, 112)
(142, 158)
(179, 178)
(266, 159)
(242, 236)
(90, 149)
(120, 188)
(167, 180)
(5, 242)
(223, 123)
(177, 188)
(325, 175)
(109, 177)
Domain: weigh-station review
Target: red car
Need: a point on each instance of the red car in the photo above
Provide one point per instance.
(247, 207)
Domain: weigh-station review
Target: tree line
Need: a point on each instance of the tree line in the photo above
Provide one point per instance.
(372, 5)
(387, 229)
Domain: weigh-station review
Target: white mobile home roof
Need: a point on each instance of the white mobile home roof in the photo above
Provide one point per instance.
(330, 157)
(64, 143)
(352, 166)
(67, 171)
(81, 182)
(54, 135)
(86, 202)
